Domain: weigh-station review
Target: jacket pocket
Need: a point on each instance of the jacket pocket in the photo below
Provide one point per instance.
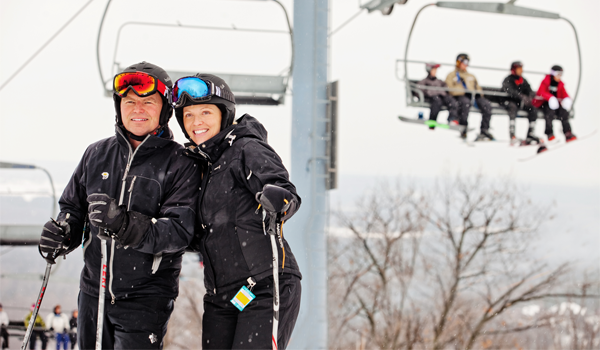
(256, 248)
(144, 195)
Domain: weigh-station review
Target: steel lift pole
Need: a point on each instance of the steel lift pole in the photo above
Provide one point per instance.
(306, 231)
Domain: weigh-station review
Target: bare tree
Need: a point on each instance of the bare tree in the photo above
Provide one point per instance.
(372, 266)
(442, 269)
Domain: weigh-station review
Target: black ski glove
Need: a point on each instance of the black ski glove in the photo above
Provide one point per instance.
(55, 236)
(127, 227)
(104, 212)
(275, 199)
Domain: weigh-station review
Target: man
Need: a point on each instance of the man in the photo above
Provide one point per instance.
(58, 323)
(38, 330)
(437, 96)
(554, 101)
(3, 325)
(138, 192)
(462, 85)
(519, 96)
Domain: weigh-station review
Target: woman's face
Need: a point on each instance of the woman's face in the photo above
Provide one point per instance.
(202, 122)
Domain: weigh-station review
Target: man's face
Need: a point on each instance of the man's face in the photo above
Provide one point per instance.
(433, 72)
(75, 314)
(141, 115)
(463, 66)
(202, 122)
(519, 71)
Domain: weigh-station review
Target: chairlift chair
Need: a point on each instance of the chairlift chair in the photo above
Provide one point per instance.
(249, 89)
(414, 92)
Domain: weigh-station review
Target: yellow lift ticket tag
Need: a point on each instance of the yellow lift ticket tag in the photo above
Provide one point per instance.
(243, 297)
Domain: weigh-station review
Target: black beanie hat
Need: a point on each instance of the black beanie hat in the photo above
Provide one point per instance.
(226, 107)
(145, 67)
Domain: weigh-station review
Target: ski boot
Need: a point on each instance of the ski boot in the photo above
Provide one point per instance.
(514, 140)
(531, 138)
(463, 132)
(570, 137)
(551, 137)
(542, 148)
(485, 135)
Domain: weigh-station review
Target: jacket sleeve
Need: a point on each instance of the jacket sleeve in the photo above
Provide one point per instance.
(73, 203)
(510, 88)
(562, 92)
(453, 84)
(526, 89)
(544, 90)
(426, 92)
(173, 229)
(260, 165)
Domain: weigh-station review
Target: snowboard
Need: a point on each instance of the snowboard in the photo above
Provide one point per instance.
(432, 123)
(555, 146)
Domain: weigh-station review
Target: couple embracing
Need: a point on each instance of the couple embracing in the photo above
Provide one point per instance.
(149, 199)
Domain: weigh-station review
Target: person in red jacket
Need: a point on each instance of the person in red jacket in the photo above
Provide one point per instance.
(553, 99)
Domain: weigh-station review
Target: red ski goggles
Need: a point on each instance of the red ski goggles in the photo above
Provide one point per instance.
(142, 84)
(197, 90)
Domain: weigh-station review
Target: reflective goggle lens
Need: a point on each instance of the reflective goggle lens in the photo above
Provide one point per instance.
(142, 83)
(194, 87)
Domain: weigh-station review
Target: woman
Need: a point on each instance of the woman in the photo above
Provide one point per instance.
(245, 191)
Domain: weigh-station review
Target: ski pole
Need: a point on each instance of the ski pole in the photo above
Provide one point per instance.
(102, 291)
(273, 231)
(50, 259)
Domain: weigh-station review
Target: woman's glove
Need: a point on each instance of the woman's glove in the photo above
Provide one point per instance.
(553, 103)
(566, 103)
(275, 199)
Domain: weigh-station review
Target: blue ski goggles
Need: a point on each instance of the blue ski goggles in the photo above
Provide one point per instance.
(197, 90)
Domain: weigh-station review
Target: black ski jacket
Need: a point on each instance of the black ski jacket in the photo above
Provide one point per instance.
(237, 163)
(156, 180)
(516, 86)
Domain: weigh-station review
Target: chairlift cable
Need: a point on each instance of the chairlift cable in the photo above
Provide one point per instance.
(44, 46)
(98, 45)
(346, 22)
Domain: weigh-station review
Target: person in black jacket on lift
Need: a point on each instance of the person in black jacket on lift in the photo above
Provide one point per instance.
(438, 98)
(242, 176)
(138, 192)
(520, 96)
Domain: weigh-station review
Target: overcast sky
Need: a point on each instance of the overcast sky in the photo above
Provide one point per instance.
(56, 107)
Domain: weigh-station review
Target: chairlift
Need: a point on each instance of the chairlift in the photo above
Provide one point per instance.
(249, 89)
(414, 92)
(25, 234)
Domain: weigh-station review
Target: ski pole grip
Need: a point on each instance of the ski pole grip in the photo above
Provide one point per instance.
(49, 257)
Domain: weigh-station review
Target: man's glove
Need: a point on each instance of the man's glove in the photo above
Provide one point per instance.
(55, 235)
(104, 212)
(553, 103)
(566, 103)
(274, 199)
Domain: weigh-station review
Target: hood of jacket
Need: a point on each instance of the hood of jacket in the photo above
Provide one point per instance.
(245, 127)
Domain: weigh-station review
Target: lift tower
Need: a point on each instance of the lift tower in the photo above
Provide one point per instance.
(306, 231)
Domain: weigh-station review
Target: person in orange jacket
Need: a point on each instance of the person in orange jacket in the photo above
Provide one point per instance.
(554, 101)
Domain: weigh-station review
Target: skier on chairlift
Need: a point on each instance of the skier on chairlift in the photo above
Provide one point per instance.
(438, 97)
(462, 85)
(520, 97)
(553, 99)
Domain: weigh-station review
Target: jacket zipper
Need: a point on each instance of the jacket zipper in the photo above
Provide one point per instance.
(205, 185)
(123, 183)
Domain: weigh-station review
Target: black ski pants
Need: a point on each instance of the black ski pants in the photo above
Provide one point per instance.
(33, 340)
(437, 102)
(225, 327)
(4, 337)
(560, 114)
(464, 104)
(136, 323)
(512, 108)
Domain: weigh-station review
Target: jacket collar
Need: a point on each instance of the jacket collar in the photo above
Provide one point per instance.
(150, 142)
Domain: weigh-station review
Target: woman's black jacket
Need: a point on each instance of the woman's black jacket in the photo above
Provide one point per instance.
(237, 163)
